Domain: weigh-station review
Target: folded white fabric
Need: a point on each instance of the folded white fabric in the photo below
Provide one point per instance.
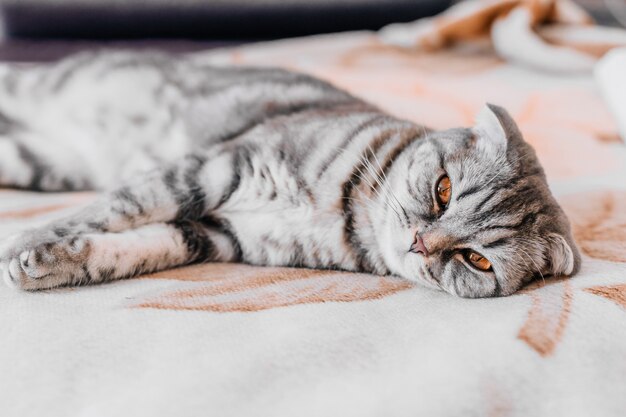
(551, 35)
(610, 74)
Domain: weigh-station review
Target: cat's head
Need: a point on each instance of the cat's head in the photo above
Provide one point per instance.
(472, 214)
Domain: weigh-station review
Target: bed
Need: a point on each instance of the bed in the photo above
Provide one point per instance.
(235, 340)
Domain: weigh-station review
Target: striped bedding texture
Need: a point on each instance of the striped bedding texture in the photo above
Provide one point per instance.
(235, 340)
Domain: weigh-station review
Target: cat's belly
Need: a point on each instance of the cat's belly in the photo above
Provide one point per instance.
(294, 236)
(279, 219)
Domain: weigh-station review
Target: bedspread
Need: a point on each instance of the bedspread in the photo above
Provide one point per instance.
(235, 340)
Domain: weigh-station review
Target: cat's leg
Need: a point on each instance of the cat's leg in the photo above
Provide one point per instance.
(185, 191)
(31, 157)
(33, 163)
(95, 258)
(15, 170)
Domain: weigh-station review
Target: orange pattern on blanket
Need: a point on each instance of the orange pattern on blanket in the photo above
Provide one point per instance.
(458, 63)
(550, 311)
(548, 316)
(72, 200)
(599, 223)
(33, 212)
(615, 293)
(230, 288)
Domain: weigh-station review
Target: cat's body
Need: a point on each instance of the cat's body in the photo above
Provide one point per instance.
(266, 167)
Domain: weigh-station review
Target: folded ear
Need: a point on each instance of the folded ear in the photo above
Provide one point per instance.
(495, 129)
(563, 257)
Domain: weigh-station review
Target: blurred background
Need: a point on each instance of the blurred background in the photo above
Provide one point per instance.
(39, 30)
(64, 26)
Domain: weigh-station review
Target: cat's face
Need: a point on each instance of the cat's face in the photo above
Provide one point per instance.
(471, 212)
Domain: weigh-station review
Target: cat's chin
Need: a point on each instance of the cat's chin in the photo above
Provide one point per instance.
(429, 282)
(414, 269)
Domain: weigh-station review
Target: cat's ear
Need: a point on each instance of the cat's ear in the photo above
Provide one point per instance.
(495, 130)
(563, 257)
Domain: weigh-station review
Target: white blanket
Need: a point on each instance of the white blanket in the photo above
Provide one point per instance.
(222, 340)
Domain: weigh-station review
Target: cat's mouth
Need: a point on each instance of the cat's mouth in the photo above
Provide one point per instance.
(419, 248)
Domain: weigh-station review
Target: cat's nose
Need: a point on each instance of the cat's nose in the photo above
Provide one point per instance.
(418, 246)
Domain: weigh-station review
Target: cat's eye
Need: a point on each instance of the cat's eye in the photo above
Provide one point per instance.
(478, 261)
(444, 191)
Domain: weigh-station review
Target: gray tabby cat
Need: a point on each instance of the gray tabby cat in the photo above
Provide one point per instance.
(266, 167)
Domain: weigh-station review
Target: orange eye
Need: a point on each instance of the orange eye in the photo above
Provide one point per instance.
(444, 191)
(478, 261)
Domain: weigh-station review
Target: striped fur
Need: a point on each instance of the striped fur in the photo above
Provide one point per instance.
(266, 167)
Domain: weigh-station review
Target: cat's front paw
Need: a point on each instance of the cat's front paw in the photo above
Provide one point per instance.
(13, 246)
(48, 265)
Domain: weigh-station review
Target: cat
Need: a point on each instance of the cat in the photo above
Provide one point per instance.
(266, 167)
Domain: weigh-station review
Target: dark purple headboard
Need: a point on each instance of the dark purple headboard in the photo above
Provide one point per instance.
(221, 19)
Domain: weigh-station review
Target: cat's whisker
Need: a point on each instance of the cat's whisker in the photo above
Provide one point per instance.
(381, 197)
(425, 131)
(372, 173)
(383, 183)
(367, 165)
(388, 184)
(526, 255)
(376, 189)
